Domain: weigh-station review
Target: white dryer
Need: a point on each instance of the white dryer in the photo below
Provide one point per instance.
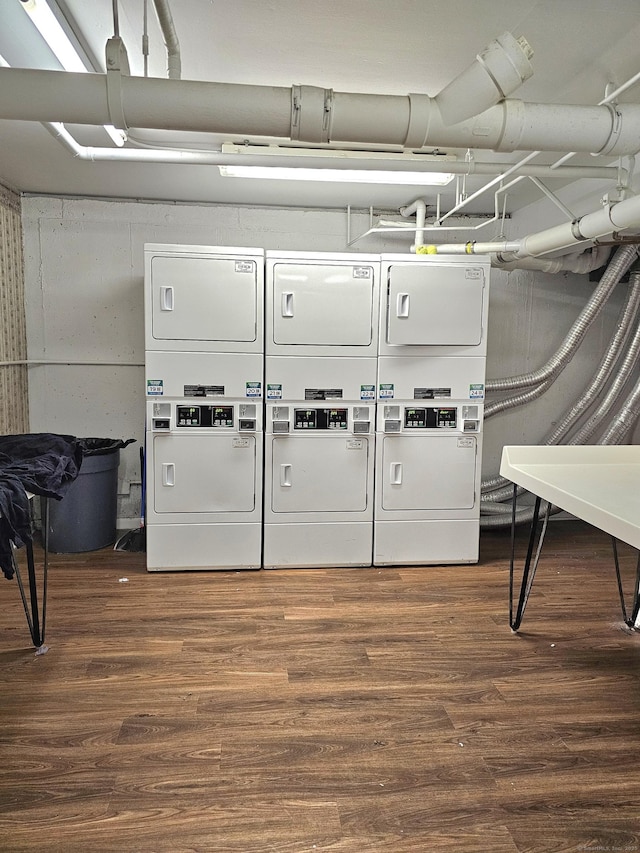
(204, 484)
(319, 460)
(431, 374)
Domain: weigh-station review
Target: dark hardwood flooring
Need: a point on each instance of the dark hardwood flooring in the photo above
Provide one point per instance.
(346, 710)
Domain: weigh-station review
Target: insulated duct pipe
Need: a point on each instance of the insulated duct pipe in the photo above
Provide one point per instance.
(310, 114)
(580, 262)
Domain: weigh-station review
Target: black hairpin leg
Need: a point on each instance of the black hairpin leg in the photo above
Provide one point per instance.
(36, 618)
(628, 621)
(531, 560)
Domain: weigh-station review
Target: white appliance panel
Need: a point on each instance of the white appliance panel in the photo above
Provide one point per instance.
(431, 305)
(316, 545)
(323, 304)
(204, 299)
(428, 472)
(233, 376)
(203, 547)
(304, 377)
(420, 543)
(205, 473)
(320, 474)
(438, 378)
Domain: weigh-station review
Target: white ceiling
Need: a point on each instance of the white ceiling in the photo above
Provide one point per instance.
(369, 46)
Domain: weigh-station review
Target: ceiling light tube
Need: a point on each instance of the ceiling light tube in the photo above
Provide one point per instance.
(353, 176)
(335, 165)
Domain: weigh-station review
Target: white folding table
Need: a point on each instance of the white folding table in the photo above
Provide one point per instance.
(598, 484)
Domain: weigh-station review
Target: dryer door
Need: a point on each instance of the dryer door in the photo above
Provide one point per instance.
(204, 299)
(428, 472)
(320, 474)
(204, 473)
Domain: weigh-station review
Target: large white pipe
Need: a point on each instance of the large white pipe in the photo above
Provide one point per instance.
(310, 114)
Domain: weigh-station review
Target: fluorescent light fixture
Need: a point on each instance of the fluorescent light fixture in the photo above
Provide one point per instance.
(65, 52)
(370, 166)
(348, 176)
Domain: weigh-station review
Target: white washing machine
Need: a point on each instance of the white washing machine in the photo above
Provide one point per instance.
(431, 374)
(319, 460)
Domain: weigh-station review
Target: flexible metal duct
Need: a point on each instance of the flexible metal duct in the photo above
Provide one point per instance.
(620, 263)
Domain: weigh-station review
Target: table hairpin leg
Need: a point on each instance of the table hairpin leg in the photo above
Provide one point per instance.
(531, 560)
(629, 622)
(35, 619)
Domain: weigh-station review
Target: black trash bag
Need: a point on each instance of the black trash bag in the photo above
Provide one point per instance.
(102, 446)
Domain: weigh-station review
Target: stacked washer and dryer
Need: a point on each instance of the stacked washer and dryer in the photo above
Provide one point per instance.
(204, 432)
(364, 448)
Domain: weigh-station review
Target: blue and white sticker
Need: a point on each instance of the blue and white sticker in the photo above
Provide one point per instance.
(387, 391)
(476, 392)
(155, 387)
(254, 389)
(274, 392)
(367, 392)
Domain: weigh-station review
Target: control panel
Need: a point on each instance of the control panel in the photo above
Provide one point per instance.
(430, 417)
(242, 417)
(396, 418)
(285, 418)
(204, 416)
(320, 419)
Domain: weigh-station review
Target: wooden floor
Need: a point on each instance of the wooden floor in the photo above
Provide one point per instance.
(346, 710)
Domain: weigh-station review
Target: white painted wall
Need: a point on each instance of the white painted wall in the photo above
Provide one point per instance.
(84, 302)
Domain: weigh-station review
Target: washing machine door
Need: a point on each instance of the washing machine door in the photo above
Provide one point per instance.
(430, 472)
(320, 474)
(205, 473)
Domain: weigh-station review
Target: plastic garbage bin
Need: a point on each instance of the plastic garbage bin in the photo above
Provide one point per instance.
(85, 518)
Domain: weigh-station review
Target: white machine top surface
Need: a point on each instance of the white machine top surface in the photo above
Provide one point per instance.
(598, 484)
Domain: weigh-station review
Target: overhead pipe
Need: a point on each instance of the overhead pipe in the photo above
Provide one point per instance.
(217, 158)
(165, 19)
(310, 114)
(590, 227)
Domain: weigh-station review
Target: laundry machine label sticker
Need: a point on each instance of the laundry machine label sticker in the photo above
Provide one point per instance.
(466, 442)
(476, 392)
(254, 389)
(204, 390)
(362, 272)
(431, 393)
(386, 392)
(323, 393)
(240, 442)
(473, 272)
(274, 392)
(244, 266)
(367, 392)
(355, 444)
(155, 387)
